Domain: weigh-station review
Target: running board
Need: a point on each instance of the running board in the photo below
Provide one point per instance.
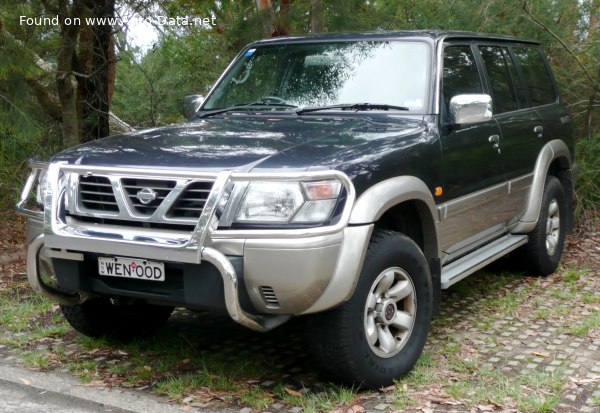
(467, 265)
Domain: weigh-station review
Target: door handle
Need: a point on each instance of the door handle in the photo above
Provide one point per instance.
(539, 130)
(495, 141)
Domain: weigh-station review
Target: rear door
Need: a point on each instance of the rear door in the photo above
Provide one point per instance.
(523, 148)
(518, 120)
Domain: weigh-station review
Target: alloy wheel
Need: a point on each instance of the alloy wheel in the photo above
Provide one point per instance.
(390, 312)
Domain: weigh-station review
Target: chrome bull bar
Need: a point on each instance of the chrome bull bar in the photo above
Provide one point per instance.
(62, 238)
(228, 275)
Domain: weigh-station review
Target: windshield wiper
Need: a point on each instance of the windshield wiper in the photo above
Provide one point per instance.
(238, 106)
(353, 106)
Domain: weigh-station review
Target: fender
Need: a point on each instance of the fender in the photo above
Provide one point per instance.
(552, 150)
(369, 207)
(375, 201)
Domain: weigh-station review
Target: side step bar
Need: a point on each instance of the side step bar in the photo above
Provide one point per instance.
(467, 265)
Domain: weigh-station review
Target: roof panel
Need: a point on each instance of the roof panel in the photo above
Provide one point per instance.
(434, 35)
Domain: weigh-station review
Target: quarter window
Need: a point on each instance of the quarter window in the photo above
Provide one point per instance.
(504, 97)
(533, 67)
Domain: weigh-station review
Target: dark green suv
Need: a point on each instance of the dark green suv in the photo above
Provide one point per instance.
(345, 178)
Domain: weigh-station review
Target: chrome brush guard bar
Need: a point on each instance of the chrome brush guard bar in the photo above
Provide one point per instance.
(68, 239)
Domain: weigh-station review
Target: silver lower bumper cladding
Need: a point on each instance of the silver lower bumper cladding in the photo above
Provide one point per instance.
(33, 275)
(230, 283)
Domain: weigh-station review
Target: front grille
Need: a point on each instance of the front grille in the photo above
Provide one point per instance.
(135, 224)
(148, 202)
(96, 193)
(160, 188)
(268, 294)
(191, 201)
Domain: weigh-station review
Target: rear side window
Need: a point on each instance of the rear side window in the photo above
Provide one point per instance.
(504, 96)
(460, 73)
(539, 82)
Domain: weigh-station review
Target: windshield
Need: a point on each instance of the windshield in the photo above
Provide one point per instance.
(323, 74)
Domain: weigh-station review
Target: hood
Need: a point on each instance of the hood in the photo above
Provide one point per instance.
(248, 143)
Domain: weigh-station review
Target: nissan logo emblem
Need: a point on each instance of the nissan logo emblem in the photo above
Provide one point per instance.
(146, 195)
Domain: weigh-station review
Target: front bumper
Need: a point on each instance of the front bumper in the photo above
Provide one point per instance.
(266, 275)
(261, 288)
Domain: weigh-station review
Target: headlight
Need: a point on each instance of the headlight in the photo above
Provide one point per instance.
(275, 202)
(40, 190)
(285, 202)
(31, 202)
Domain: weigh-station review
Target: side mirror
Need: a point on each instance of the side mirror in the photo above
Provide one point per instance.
(191, 104)
(471, 108)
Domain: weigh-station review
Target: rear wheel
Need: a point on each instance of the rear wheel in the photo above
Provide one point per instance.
(104, 316)
(543, 251)
(379, 333)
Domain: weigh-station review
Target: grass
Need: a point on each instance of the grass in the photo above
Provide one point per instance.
(423, 373)
(543, 391)
(572, 275)
(37, 359)
(588, 324)
(541, 314)
(316, 401)
(532, 392)
(17, 318)
(175, 387)
(256, 397)
(473, 382)
(590, 298)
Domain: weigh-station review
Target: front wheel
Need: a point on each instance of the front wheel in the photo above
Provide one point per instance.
(104, 316)
(379, 333)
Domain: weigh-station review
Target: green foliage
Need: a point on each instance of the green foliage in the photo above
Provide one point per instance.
(25, 129)
(587, 183)
(150, 92)
(14, 152)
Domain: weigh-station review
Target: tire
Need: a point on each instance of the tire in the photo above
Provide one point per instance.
(543, 251)
(360, 343)
(104, 317)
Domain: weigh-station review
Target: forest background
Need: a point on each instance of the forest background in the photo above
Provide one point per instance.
(64, 84)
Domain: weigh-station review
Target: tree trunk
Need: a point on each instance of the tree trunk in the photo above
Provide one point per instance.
(266, 8)
(97, 62)
(281, 29)
(64, 79)
(316, 10)
(46, 95)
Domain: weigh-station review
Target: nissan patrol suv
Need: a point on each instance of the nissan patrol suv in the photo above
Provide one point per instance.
(346, 178)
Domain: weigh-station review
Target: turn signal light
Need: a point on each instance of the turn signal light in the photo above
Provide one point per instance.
(322, 189)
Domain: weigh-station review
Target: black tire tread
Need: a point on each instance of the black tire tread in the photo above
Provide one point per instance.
(329, 333)
(98, 317)
(534, 254)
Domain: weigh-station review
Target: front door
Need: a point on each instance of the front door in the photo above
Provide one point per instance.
(474, 186)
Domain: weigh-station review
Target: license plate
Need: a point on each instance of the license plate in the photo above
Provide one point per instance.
(131, 268)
